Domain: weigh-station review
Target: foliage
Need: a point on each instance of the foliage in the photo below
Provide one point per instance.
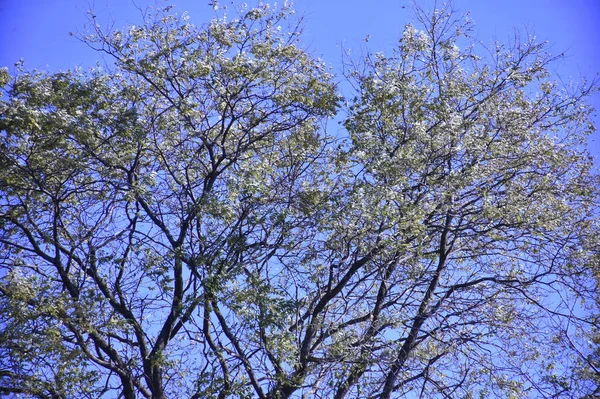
(181, 225)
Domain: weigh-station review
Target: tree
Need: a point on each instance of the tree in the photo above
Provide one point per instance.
(588, 347)
(182, 225)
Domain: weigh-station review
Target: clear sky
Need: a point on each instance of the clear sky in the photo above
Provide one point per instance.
(38, 30)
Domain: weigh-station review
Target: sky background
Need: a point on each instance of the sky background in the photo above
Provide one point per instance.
(38, 30)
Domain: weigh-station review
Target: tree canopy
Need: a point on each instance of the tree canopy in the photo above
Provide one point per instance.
(183, 224)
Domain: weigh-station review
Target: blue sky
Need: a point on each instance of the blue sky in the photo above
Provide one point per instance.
(38, 30)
